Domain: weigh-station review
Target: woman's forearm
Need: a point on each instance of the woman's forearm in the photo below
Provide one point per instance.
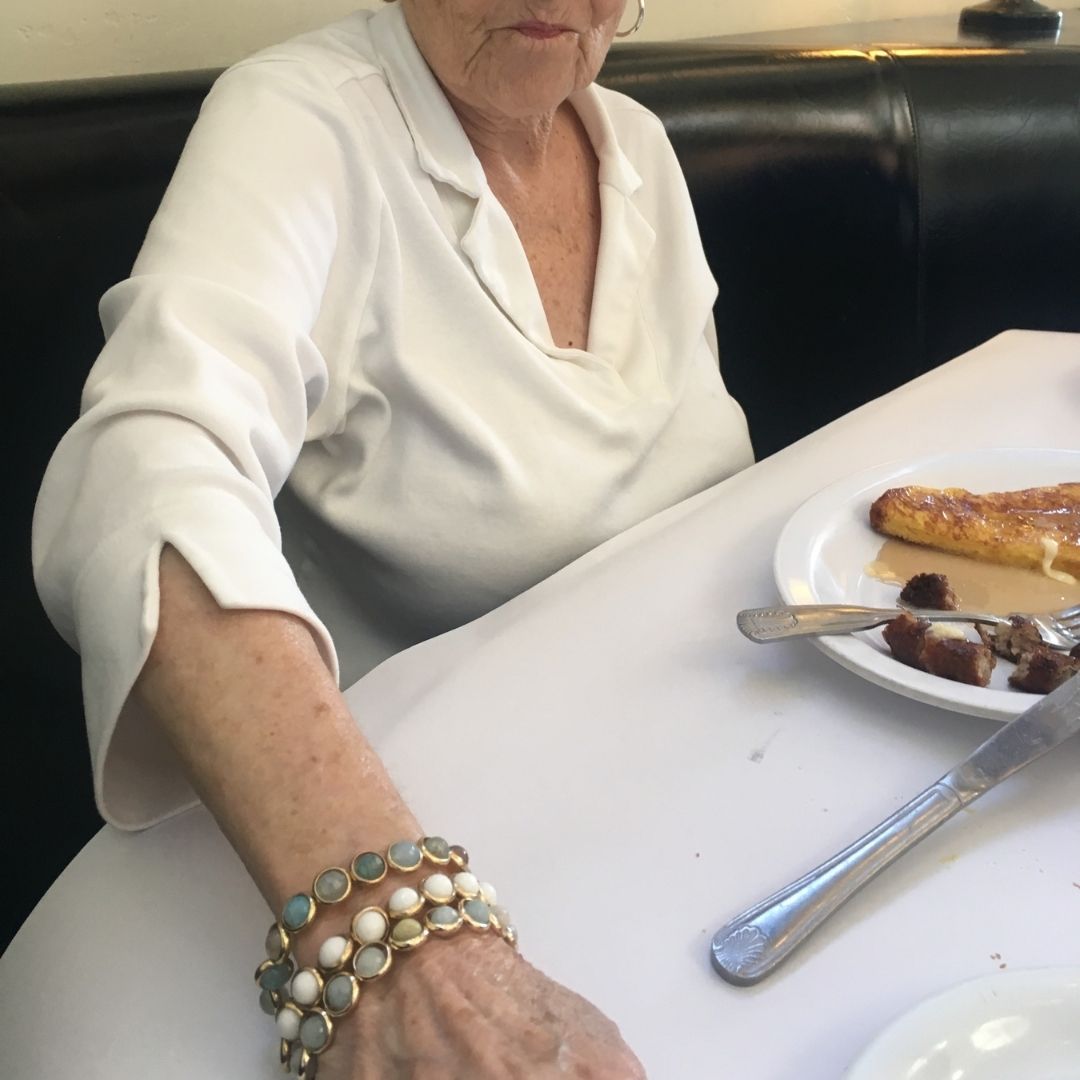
(251, 709)
(265, 736)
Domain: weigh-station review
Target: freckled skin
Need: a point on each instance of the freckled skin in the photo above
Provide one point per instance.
(509, 91)
(559, 227)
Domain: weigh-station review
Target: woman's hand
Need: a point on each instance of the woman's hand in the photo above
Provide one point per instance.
(473, 1009)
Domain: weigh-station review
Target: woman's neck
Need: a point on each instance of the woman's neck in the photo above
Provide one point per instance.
(517, 147)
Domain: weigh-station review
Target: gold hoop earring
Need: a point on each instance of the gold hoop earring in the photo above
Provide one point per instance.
(637, 22)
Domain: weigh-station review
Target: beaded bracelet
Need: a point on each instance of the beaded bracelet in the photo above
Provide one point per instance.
(318, 996)
(332, 886)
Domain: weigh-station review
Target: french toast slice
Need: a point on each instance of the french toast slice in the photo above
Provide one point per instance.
(1016, 528)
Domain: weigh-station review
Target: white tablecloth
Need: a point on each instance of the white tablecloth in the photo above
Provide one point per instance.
(634, 773)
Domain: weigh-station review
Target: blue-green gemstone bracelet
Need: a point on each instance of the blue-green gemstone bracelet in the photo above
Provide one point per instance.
(306, 1023)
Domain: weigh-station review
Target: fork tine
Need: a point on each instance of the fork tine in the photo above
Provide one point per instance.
(1068, 614)
(1067, 631)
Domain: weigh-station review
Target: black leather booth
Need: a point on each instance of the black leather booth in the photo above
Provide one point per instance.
(868, 214)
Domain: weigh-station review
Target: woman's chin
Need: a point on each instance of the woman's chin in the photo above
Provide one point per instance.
(539, 88)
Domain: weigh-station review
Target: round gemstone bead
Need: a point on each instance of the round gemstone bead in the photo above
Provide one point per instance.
(370, 925)
(372, 961)
(466, 885)
(315, 1031)
(477, 914)
(488, 894)
(404, 855)
(267, 1002)
(332, 885)
(408, 933)
(334, 952)
(404, 901)
(438, 888)
(459, 856)
(299, 911)
(340, 994)
(443, 919)
(369, 868)
(500, 917)
(306, 987)
(274, 976)
(288, 1022)
(277, 942)
(436, 849)
(510, 934)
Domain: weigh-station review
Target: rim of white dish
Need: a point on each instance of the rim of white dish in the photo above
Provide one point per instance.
(878, 1055)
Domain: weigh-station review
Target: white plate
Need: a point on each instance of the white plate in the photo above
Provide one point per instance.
(1019, 1025)
(827, 543)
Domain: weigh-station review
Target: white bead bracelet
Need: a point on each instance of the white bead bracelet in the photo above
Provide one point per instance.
(306, 1003)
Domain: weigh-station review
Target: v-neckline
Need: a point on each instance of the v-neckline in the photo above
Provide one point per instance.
(509, 275)
(626, 239)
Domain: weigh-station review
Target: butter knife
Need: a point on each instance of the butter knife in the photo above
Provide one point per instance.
(751, 945)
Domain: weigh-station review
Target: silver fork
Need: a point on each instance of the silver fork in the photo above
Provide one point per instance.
(1059, 629)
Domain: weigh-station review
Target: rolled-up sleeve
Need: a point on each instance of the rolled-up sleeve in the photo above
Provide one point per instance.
(196, 409)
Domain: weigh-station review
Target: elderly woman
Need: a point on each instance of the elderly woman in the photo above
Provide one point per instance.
(419, 265)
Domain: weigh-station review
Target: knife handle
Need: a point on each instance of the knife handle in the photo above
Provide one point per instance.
(751, 945)
(807, 620)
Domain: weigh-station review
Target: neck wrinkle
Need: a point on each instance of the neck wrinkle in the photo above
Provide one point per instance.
(514, 147)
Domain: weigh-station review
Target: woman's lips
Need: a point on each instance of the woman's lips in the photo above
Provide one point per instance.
(541, 30)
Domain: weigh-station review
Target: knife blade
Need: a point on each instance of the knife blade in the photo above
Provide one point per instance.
(752, 944)
(1036, 731)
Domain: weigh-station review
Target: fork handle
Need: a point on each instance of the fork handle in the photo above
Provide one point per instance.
(812, 620)
(808, 620)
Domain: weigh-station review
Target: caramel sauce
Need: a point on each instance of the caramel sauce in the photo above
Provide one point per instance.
(979, 586)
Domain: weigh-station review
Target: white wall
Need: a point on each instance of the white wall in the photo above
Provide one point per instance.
(62, 39)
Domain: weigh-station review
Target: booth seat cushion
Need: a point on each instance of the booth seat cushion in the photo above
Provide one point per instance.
(870, 213)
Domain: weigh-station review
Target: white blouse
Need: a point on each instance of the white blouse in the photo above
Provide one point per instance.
(331, 293)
